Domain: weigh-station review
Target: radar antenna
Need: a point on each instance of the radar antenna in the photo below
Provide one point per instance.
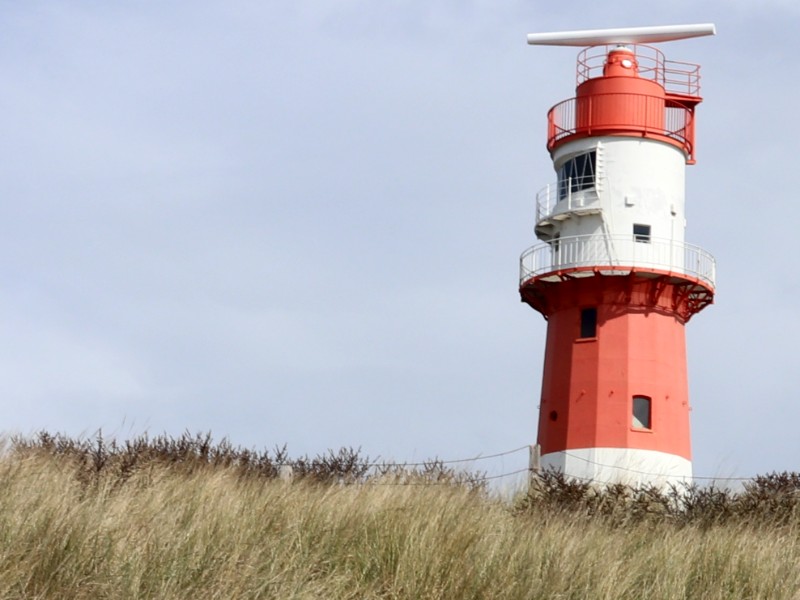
(627, 35)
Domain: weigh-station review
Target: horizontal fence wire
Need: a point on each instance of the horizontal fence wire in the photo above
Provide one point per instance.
(449, 482)
(483, 478)
(447, 478)
(435, 461)
(376, 472)
(639, 472)
(381, 472)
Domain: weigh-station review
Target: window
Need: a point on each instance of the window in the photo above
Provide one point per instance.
(589, 323)
(641, 233)
(577, 174)
(641, 412)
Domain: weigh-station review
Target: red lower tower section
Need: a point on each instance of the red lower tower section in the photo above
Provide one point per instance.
(612, 339)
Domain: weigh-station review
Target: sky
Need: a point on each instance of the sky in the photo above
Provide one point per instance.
(300, 222)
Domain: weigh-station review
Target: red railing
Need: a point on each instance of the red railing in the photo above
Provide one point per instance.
(645, 116)
(674, 76)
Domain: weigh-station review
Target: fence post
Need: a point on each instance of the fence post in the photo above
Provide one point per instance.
(534, 464)
(286, 473)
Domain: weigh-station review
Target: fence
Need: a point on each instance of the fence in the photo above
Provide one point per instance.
(99, 457)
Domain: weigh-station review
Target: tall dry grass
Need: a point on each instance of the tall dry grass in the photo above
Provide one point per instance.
(212, 532)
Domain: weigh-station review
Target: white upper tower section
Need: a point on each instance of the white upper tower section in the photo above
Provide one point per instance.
(620, 148)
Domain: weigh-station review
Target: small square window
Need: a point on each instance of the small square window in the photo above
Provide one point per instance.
(589, 323)
(642, 415)
(641, 233)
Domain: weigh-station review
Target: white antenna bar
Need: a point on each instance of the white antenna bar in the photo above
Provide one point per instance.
(628, 35)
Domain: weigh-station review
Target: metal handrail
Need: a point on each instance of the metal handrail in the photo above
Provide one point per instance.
(601, 250)
(562, 119)
(581, 188)
(674, 76)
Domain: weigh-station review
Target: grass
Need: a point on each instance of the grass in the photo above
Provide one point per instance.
(207, 528)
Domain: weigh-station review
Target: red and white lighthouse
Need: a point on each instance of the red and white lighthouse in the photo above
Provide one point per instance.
(613, 275)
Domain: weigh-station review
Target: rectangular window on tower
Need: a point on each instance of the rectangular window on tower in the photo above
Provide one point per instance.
(588, 323)
(642, 415)
(641, 233)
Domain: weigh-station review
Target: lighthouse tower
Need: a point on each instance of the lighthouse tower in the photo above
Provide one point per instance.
(613, 275)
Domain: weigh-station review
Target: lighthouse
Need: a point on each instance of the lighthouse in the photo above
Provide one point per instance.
(612, 273)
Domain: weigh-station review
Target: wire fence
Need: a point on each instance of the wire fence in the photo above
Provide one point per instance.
(98, 456)
(480, 478)
(404, 473)
(649, 473)
(479, 457)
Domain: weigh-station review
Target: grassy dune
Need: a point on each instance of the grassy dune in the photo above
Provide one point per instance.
(209, 532)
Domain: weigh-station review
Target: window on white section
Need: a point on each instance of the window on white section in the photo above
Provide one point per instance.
(641, 233)
(577, 174)
(642, 414)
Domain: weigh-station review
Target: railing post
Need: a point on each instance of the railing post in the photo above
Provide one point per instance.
(590, 119)
(671, 254)
(697, 267)
(549, 200)
(569, 193)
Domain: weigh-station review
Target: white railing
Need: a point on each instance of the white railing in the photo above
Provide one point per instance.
(575, 192)
(599, 250)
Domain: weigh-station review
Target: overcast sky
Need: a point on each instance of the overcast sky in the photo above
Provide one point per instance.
(300, 222)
